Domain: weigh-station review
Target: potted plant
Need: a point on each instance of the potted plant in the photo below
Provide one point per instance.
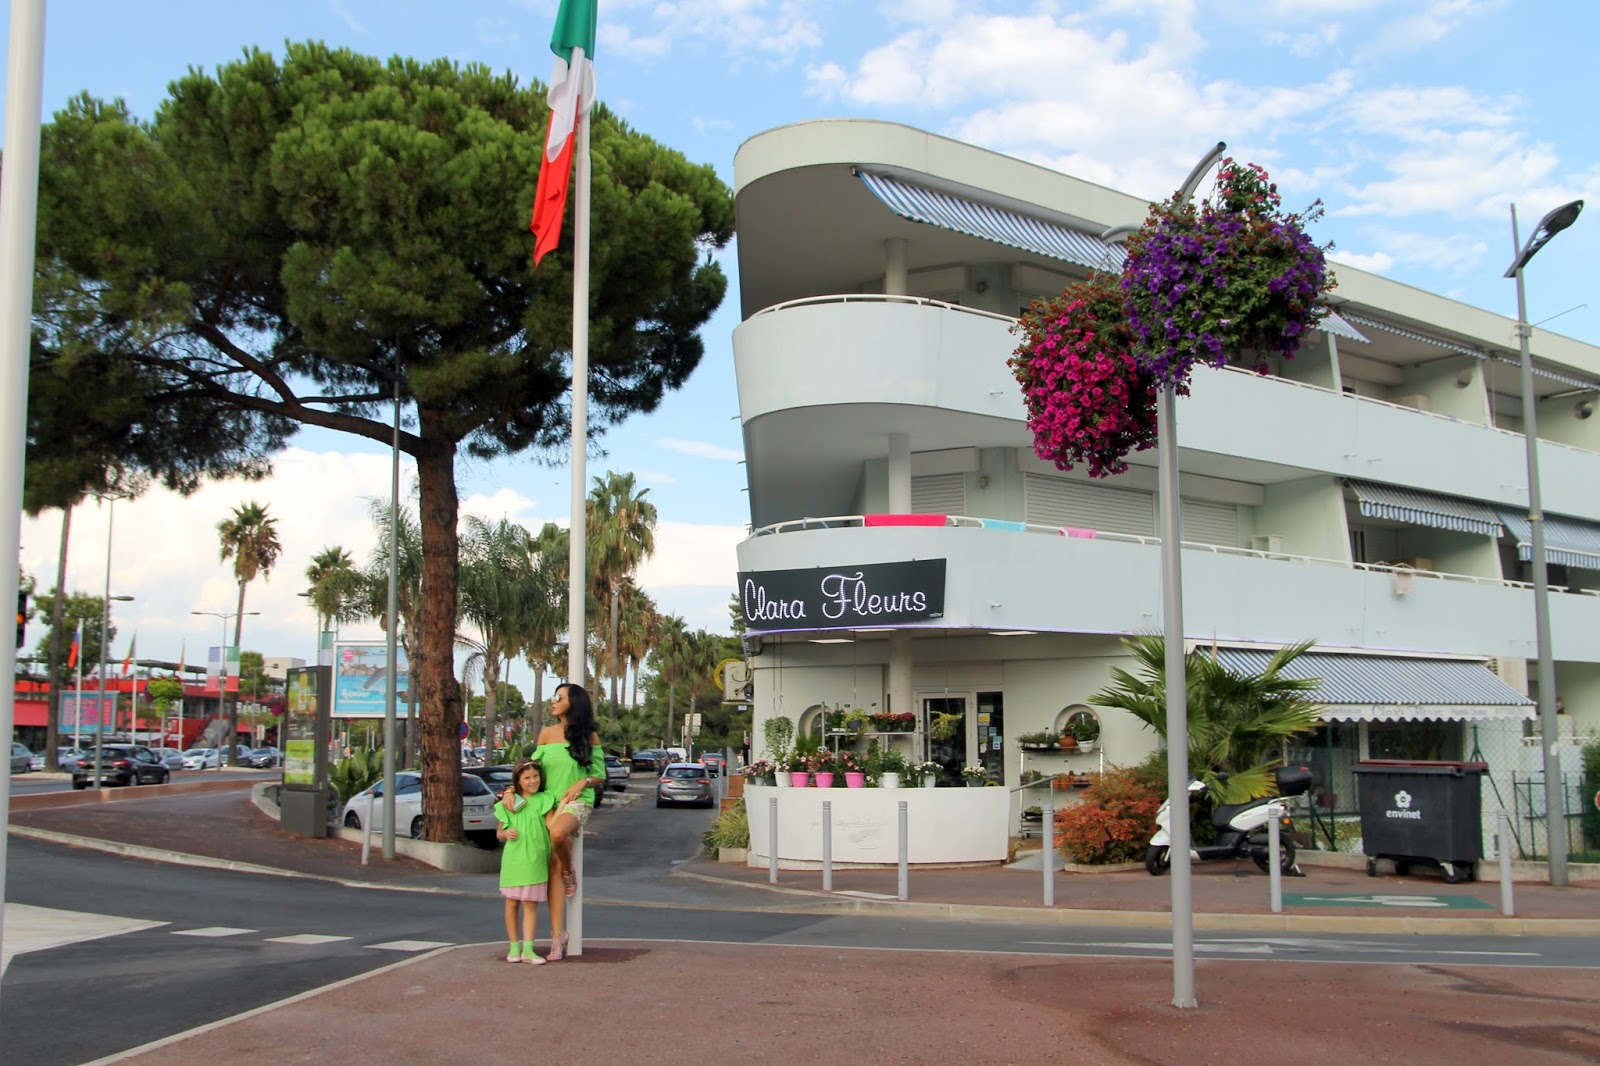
(1030, 777)
(891, 764)
(1033, 814)
(799, 768)
(856, 721)
(1043, 740)
(762, 771)
(928, 772)
(1086, 730)
(974, 776)
(945, 726)
(821, 766)
(850, 767)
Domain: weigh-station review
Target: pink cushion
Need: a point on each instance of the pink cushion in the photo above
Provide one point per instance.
(1073, 531)
(904, 519)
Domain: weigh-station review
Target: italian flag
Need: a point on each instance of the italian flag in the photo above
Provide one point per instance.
(571, 95)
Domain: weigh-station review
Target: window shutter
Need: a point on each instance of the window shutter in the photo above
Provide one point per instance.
(1208, 522)
(1054, 501)
(939, 494)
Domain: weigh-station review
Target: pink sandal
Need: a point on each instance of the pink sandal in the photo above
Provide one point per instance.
(558, 948)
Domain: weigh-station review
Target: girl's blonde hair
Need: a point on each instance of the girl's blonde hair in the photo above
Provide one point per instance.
(527, 764)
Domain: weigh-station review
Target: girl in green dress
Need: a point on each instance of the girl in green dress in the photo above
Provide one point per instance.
(525, 855)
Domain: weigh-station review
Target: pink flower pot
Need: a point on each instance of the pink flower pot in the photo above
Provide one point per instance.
(799, 778)
(854, 780)
(824, 778)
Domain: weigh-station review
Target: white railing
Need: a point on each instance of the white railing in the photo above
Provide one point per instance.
(878, 297)
(797, 525)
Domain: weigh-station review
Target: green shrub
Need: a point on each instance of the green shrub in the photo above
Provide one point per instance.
(1591, 789)
(362, 768)
(730, 829)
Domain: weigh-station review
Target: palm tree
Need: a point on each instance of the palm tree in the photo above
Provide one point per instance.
(250, 539)
(621, 536)
(669, 656)
(335, 587)
(1236, 721)
(640, 625)
(542, 644)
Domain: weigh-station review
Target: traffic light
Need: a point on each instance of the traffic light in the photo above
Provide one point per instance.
(22, 617)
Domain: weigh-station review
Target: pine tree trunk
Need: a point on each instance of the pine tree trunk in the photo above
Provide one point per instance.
(433, 664)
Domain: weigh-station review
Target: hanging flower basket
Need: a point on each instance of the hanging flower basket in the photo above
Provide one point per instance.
(1233, 276)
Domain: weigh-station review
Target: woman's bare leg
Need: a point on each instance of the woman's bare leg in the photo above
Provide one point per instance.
(562, 826)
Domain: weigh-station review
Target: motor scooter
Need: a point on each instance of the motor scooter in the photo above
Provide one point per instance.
(1242, 831)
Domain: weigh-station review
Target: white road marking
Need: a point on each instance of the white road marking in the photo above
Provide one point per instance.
(410, 945)
(40, 928)
(865, 895)
(1236, 947)
(213, 931)
(305, 938)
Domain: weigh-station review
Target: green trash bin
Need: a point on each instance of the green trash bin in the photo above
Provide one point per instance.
(1422, 812)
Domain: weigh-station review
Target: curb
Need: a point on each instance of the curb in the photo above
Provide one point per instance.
(81, 797)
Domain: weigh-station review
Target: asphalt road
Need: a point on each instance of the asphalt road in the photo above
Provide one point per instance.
(84, 1000)
(33, 783)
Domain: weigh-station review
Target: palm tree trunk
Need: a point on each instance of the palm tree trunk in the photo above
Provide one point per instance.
(616, 626)
(491, 703)
(58, 608)
(233, 703)
(671, 690)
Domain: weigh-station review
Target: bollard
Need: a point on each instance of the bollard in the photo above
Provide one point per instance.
(574, 944)
(905, 854)
(772, 840)
(827, 845)
(366, 838)
(1274, 857)
(1049, 857)
(1502, 848)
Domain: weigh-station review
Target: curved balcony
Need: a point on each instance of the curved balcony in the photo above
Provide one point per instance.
(1016, 577)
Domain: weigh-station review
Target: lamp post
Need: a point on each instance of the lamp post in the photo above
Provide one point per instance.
(222, 671)
(1555, 808)
(1176, 680)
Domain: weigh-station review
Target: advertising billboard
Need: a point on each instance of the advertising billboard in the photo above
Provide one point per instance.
(81, 713)
(361, 679)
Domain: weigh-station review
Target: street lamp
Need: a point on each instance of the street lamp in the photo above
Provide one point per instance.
(1172, 634)
(1555, 801)
(222, 672)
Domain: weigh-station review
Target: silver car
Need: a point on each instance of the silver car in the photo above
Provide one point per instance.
(685, 782)
(21, 758)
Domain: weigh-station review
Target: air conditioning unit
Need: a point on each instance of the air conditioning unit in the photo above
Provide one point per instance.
(1271, 543)
(738, 684)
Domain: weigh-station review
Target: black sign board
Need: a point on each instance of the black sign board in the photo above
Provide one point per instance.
(843, 597)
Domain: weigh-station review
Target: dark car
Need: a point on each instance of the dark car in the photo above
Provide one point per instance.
(714, 763)
(685, 782)
(650, 760)
(264, 758)
(121, 764)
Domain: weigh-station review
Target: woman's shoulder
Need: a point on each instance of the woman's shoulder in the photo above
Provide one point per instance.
(551, 734)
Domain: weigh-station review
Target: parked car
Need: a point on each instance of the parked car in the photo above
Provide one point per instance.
(171, 758)
(714, 763)
(21, 758)
(200, 759)
(617, 774)
(685, 782)
(66, 758)
(264, 758)
(498, 778)
(477, 806)
(121, 764)
(650, 760)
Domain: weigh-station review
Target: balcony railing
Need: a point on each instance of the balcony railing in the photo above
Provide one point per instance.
(799, 525)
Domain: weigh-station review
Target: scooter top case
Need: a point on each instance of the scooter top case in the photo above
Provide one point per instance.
(1293, 780)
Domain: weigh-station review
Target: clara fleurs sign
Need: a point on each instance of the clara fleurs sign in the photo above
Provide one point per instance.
(1233, 277)
(872, 594)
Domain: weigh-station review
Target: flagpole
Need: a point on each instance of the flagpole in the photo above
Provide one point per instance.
(77, 700)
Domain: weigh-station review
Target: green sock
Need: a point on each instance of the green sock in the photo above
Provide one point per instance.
(527, 948)
(516, 948)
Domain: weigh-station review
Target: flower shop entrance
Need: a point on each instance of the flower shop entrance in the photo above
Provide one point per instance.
(957, 738)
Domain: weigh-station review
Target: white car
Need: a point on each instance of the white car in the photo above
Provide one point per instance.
(477, 805)
(201, 759)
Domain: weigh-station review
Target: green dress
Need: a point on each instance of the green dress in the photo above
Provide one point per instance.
(526, 860)
(562, 771)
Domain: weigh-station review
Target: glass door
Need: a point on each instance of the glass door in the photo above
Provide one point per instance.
(948, 722)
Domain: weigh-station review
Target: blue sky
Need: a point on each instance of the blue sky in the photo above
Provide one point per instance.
(1417, 122)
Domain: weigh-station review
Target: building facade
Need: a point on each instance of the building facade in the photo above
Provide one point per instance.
(909, 552)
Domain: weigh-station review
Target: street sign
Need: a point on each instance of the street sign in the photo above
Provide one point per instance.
(1597, 801)
(463, 732)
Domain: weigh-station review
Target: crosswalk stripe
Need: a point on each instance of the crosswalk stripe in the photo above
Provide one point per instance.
(410, 945)
(305, 938)
(212, 931)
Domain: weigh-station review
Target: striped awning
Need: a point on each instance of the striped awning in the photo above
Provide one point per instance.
(1568, 541)
(1340, 326)
(1385, 688)
(1425, 508)
(1413, 335)
(921, 204)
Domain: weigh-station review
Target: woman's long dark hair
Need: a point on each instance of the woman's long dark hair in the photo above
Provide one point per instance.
(580, 723)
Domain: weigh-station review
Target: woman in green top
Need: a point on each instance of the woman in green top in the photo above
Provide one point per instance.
(573, 764)
(525, 856)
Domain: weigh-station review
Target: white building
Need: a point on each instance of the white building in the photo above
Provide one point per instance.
(1369, 494)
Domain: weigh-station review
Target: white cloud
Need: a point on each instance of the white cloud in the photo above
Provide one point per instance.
(777, 30)
(345, 16)
(1415, 30)
(704, 126)
(703, 449)
(688, 554)
(654, 477)
(1375, 262)
(921, 11)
